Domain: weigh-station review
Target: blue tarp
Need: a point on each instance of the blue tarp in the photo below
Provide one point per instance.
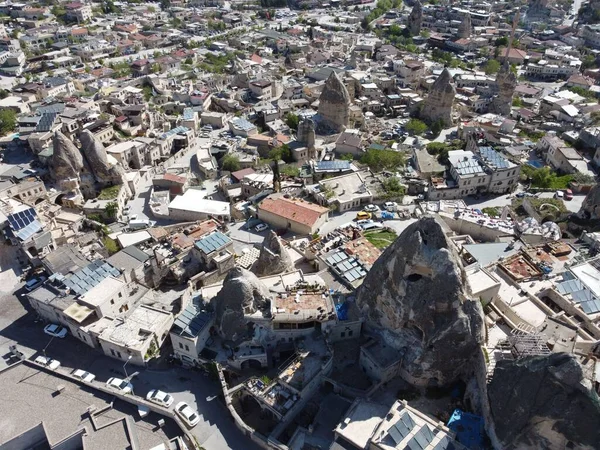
(342, 311)
(468, 428)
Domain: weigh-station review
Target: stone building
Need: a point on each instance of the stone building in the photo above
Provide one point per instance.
(334, 104)
(438, 105)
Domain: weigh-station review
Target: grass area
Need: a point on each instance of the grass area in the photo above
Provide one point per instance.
(491, 211)
(109, 193)
(537, 203)
(381, 238)
(110, 245)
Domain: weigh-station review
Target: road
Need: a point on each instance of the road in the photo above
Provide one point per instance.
(216, 430)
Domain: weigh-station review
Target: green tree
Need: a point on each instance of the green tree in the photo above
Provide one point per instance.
(111, 209)
(281, 153)
(292, 121)
(231, 163)
(501, 41)
(416, 127)
(492, 67)
(8, 121)
(379, 160)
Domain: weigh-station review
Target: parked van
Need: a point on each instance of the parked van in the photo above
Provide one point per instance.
(139, 224)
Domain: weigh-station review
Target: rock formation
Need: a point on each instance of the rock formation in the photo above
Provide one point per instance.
(306, 136)
(438, 104)
(273, 258)
(506, 82)
(97, 158)
(415, 19)
(67, 161)
(544, 402)
(242, 294)
(414, 298)
(590, 208)
(334, 104)
(464, 29)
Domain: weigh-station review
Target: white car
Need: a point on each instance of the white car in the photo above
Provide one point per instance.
(390, 206)
(188, 415)
(559, 195)
(55, 331)
(48, 362)
(363, 222)
(371, 208)
(160, 398)
(261, 227)
(84, 376)
(120, 385)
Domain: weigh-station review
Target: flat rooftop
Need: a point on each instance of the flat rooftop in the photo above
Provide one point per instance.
(30, 398)
(298, 307)
(360, 421)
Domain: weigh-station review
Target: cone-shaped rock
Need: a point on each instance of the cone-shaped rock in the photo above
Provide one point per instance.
(415, 19)
(415, 298)
(438, 104)
(544, 402)
(97, 158)
(334, 103)
(242, 293)
(67, 161)
(506, 82)
(274, 257)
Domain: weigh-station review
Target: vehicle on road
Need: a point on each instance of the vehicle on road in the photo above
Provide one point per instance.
(160, 398)
(261, 227)
(390, 206)
(363, 215)
(126, 210)
(188, 415)
(371, 208)
(568, 194)
(118, 384)
(34, 283)
(84, 376)
(55, 331)
(559, 194)
(372, 226)
(48, 362)
(139, 224)
(364, 222)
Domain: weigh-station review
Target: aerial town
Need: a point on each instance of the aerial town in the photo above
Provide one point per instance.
(300, 225)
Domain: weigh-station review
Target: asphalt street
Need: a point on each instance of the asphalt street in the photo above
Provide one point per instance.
(216, 430)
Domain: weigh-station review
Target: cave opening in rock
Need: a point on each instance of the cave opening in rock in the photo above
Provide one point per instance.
(414, 277)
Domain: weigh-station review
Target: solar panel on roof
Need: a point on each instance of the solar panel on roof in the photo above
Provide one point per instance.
(46, 122)
(21, 219)
(29, 230)
(492, 157)
(333, 165)
(569, 286)
(212, 242)
(582, 296)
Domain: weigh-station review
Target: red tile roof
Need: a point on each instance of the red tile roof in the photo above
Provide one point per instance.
(174, 178)
(294, 210)
(239, 174)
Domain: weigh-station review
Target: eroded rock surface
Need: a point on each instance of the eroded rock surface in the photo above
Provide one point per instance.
(506, 82)
(67, 161)
(415, 19)
(415, 300)
(97, 158)
(273, 258)
(544, 402)
(242, 293)
(334, 104)
(590, 208)
(438, 104)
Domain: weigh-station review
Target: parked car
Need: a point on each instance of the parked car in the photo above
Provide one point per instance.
(188, 415)
(363, 222)
(390, 206)
(160, 398)
(568, 194)
(363, 215)
(559, 195)
(371, 208)
(84, 376)
(34, 283)
(120, 385)
(261, 227)
(126, 210)
(55, 331)
(48, 362)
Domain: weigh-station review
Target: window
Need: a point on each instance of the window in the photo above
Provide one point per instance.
(112, 302)
(343, 334)
(112, 352)
(350, 332)
(119, 355)
(187, 348)
(120, 295)
(180, 345)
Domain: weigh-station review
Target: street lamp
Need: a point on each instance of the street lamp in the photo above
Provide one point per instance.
(125, 370)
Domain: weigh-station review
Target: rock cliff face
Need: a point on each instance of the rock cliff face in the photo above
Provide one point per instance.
(590, 208)
(96, 156)
(274, 257)
(67, 161)
(464, 29)
(506, 82)
(415, 19)
(334, 104)
(438, 104)
(242, 293)
(414, 298)
(544, 403)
